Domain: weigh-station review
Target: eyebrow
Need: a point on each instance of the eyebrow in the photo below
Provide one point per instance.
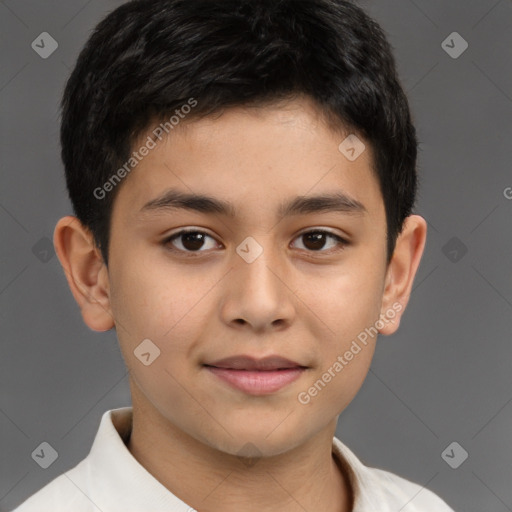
(335, 202)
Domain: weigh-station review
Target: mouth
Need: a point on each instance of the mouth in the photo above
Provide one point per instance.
(256, 376)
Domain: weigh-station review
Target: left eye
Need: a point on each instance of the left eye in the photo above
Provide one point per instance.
(194, 241)
(315, 240)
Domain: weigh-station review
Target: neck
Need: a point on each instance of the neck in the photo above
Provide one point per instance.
(207, 479)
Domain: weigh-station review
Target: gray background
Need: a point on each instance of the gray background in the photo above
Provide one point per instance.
(444, 377)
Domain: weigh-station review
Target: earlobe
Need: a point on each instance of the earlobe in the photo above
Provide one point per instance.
(85, 272)
(401, 272)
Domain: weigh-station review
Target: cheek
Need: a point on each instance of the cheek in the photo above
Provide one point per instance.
(160, 306)
(147, 298)
(346, 302)
(348, 308)
(159, 303)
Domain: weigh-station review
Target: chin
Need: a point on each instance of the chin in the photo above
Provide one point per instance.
(256, 443)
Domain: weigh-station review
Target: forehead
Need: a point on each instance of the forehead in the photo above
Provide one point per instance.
(254, 157)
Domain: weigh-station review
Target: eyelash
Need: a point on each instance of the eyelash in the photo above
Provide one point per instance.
(341, 241)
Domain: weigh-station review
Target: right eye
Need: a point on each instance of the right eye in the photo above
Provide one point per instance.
(188, 241)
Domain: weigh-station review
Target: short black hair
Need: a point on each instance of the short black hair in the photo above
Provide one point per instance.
(148, 58)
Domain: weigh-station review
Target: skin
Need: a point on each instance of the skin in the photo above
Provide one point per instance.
(189, 427)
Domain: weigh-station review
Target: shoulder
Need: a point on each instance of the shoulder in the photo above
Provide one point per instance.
(80, 488)
(378, 489)
(60, 495)
(410, 495)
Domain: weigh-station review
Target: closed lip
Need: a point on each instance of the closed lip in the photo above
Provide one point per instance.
(249, 363)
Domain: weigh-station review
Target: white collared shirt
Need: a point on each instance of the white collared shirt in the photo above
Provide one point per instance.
(110, 479)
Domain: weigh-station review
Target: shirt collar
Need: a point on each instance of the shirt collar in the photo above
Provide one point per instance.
(118, 481)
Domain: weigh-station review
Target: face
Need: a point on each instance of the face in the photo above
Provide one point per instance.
(256, 310)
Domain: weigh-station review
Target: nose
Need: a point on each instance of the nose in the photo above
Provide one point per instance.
(259, 294)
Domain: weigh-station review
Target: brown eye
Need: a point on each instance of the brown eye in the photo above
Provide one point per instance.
(195, 241)
(189, 241)
(317, 240)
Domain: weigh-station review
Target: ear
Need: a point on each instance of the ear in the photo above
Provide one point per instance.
(401, 272)
(86, 273)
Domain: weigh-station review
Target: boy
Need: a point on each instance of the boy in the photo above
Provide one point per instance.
(243, 175)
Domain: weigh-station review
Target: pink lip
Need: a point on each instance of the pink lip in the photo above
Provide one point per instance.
(253, 363)
(256, 376)
(257, 382)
